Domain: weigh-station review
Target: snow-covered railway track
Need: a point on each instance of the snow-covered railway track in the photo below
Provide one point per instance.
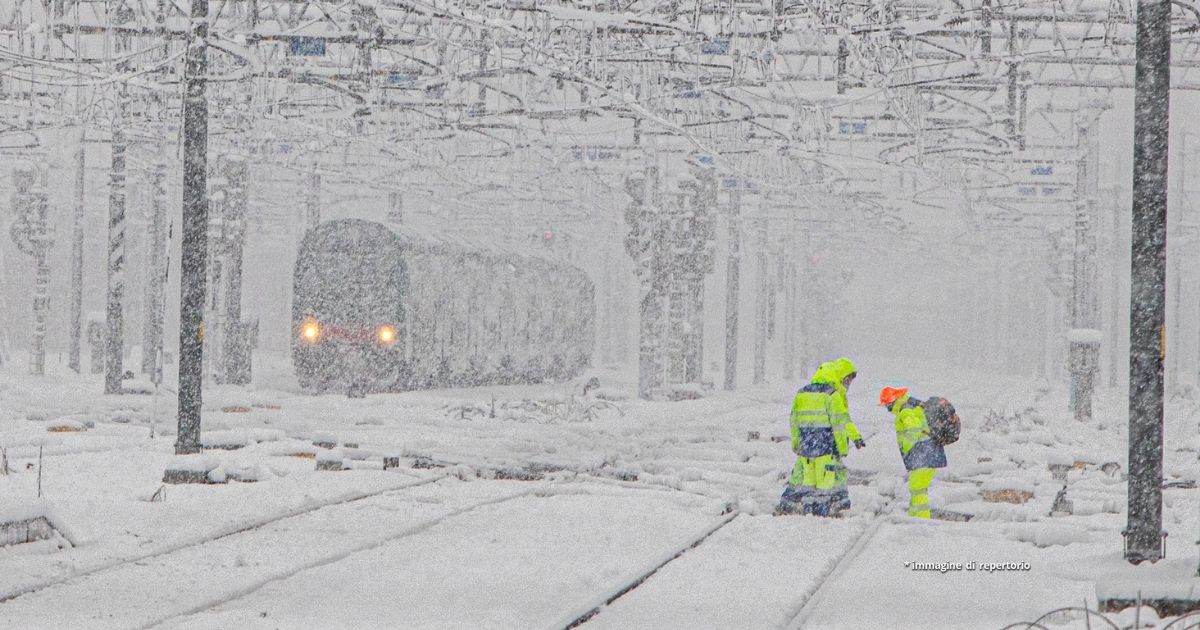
(504, 469)
(194, 578)
(577, 619)
(290, 570)
(834, 569)
(194, 542)
(771, 573)
(508, 567)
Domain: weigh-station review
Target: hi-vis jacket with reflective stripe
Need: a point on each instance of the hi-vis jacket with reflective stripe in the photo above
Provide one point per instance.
(844, 431)
(812, 430)
(912, 435)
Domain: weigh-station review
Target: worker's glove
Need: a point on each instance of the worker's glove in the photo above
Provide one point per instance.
(859, 443)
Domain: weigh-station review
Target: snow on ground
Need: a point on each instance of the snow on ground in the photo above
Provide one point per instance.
(532, 506)
(762, 565)
(540, 555)
(882, 578)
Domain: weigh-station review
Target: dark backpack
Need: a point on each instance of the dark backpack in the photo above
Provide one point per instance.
(944, 424)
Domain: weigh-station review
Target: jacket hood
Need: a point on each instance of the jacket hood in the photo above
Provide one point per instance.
(834, 372)
(844, 367)
(827, 373)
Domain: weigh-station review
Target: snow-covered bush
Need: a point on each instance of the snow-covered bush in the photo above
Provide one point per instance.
(1002, 422)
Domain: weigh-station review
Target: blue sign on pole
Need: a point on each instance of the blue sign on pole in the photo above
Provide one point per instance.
(307, 47)
(594, 154)
(719, 46)
(852, 127)
(400, 79)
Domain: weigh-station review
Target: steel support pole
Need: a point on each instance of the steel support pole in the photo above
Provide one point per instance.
(652, 306)
(804, 331)
(76, 291)
(760, 303)
(1147, 296)
(152, 327)
(1084, 351)
(732, 272)
(236, 355)
(843, 57)
(985, 37)
(789, 304)
(40, 239)
(195, 232)
(1011, 124)
(114, 340)
(312, 201)
(1115, 287)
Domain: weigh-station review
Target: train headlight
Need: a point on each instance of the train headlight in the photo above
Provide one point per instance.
(310, 332)
(386, 335)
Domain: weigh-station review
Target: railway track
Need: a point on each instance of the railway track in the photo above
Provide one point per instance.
(835, 570)
(810, 599)
(575, 619)
(837, 567)
(176, 547)
(591, 610)
(540, 489)
(193, 545)
(276, 548)
(331, 558)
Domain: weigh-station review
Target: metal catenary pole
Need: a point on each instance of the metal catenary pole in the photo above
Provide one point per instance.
(76, 290)
(158, 258)
(732, 270)
(760, 299)
(1084, 350)
(41, 284)
(152, 325)
(1147, 297)
(236, 368)
(114, 346)
(195, 236)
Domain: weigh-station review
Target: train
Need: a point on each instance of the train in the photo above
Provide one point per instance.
(376, 309)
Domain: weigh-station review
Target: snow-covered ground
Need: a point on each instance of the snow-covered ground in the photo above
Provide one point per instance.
(537, 507)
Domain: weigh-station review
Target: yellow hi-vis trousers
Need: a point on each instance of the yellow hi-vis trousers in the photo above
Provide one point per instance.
(818, 484)
(918, 491)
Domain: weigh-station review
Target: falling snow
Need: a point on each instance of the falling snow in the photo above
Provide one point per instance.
(443, 314)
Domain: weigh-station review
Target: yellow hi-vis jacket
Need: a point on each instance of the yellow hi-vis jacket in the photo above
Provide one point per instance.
(810, 422)
(844, 431)
(912, 435)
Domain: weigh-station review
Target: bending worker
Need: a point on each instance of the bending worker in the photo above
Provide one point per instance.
(922, 457)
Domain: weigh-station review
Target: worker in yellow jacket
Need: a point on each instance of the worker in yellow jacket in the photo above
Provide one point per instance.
(821, 431)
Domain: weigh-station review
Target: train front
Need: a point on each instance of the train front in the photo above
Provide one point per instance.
(347, 312)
